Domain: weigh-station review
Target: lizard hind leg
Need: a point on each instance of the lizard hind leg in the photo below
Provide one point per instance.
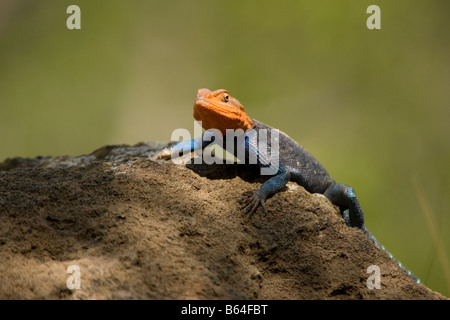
(345, 198)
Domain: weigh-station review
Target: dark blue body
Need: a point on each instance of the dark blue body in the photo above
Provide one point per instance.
(294, 163)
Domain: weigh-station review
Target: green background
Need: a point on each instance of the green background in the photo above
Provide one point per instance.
(371, 105)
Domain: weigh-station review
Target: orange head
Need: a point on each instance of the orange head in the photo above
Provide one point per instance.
(218, 110)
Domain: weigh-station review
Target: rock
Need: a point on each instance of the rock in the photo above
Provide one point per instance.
(143, 229)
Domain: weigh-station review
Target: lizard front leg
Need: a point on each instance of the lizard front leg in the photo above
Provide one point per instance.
(271, 186)
(182, 147)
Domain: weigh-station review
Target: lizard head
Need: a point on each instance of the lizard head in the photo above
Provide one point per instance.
(218, 110)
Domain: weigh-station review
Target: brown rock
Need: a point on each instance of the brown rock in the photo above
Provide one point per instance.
(143, 229)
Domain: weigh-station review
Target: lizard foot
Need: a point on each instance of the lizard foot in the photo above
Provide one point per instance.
(256, 199)
(162, 154)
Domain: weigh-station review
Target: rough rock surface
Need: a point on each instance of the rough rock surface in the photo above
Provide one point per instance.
(143, 229)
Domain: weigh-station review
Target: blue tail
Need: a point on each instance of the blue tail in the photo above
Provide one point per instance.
(369, 235)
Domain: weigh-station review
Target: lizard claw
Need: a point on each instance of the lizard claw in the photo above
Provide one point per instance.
(255, 200)
(162, 154)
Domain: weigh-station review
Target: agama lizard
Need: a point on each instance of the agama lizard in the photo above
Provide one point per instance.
(218, 110)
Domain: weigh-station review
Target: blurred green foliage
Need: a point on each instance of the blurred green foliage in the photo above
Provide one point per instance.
(371, 105)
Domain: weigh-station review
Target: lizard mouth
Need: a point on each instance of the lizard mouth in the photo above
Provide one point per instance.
(214, 106)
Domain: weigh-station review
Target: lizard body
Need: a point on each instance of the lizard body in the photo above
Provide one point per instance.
(218, 110)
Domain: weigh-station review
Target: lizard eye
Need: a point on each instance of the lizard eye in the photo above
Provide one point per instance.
(226, 98)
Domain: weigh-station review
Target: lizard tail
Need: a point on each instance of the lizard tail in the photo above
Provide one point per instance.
(380, 246)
